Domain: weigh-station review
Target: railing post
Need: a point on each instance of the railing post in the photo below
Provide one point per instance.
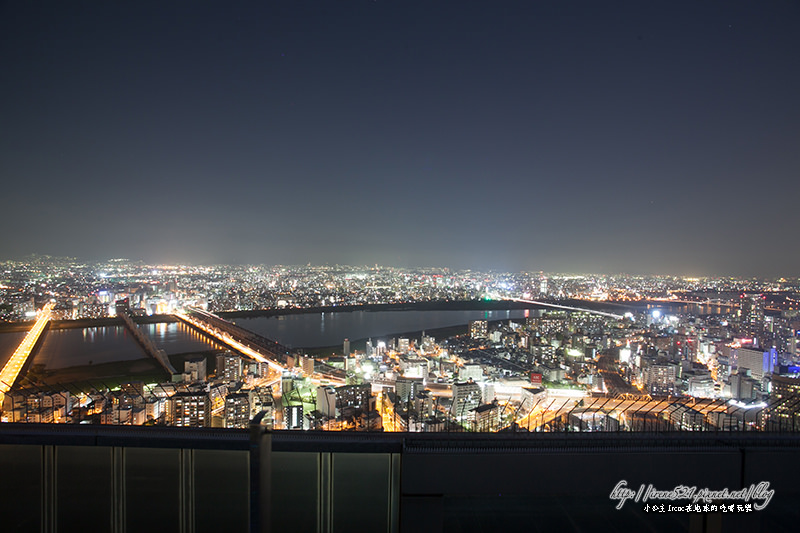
(49, 511)
(186, 490)
(260, 475)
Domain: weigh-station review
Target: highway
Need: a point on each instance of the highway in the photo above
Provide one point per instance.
(226, 338)
(564, 307)
(14, 365)
(251, 349)
(708, 302)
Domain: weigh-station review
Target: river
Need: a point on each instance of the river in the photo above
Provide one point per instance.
(313, 330)
(63, 348)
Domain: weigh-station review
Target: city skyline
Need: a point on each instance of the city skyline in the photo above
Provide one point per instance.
(649, 139)
(100, 263)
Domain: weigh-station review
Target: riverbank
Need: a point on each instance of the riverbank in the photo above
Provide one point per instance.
(434, 305)
(361, 344)
(438, 305)
(12, 327)
(111, 375)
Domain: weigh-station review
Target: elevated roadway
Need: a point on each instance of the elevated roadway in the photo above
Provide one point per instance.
(564, 307)
(12, 368)
(239, 339)
(252, 345)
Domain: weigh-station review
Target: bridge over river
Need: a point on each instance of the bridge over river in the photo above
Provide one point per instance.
(252, 344)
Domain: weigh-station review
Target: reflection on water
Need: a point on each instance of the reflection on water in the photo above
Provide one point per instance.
(330, 329)
(689, 309)
(72, 347)
(177, 337)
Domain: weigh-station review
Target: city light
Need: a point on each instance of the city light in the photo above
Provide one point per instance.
(586, 357)
(14, 365)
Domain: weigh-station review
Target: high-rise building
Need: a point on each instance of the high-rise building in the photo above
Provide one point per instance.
(237, 410)
(122, 307)
(293, 416)
(660, 378)
(743, 387)
(478, 329)
(466, 396)
(380, 348)
(262, 401)
(258, 369)
(403, 345)
(346, 347)
(287, 383)
(229, 367)
(326, 401)
(415, 367)
(307, 364)
(423, 403)
(195, 368)
(701, 386)
(154, 407)
(760, 363)
(191, 409)
(785, 403)
(407, 388)
(485, 418)
(470, 371)
(751, 309)
(427, 343)
(357, 396)
(133, 388)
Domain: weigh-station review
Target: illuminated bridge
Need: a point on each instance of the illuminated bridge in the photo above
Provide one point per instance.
(127, 479)
(708, 302)
(563, 307)
(251, 344)
(12, 368)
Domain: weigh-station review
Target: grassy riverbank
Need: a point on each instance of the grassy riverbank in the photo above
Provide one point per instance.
(99, 376)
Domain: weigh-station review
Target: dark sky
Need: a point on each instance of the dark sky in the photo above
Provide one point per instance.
(641, 136)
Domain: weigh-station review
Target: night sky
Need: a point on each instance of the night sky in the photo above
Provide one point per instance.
(640, 137)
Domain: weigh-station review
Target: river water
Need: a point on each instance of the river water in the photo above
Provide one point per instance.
(73, 347)
(63, 348)
(330, 329)
(177, 337)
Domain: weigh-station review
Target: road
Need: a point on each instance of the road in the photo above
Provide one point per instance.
(14, 365)
(250, 351)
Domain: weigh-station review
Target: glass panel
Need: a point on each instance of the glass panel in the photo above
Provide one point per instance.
(295, 491)
(21, 487)
(360, 491)
(152, 489)
(83, 488)
(222, 491)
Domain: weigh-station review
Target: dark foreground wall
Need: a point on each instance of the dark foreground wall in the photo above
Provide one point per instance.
(68, 478)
